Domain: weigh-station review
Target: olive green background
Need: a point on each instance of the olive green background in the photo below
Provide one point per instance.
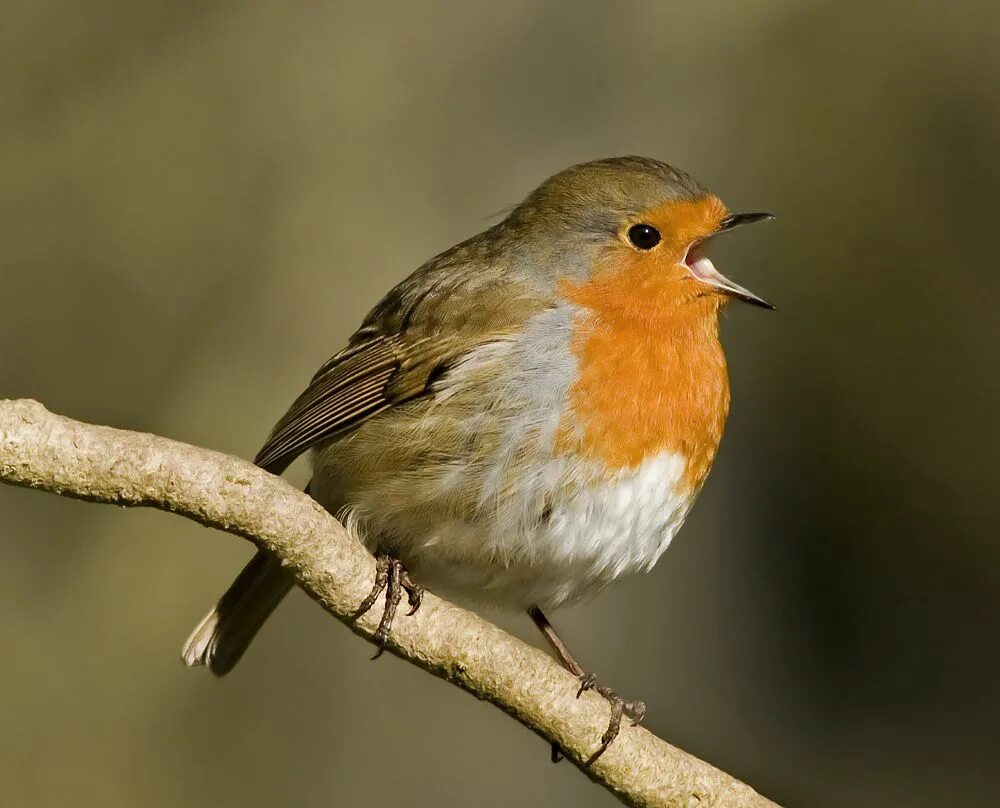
(199, 202)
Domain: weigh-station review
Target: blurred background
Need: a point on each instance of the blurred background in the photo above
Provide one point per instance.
(200, 201)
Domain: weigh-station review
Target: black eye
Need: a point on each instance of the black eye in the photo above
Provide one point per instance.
(644, 236)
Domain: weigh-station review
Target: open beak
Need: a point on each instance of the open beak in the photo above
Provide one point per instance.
(702, 268)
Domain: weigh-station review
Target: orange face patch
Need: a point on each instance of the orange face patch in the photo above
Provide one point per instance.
(680, 223)
(652, 375)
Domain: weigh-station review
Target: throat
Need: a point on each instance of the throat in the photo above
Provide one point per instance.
(649, 386)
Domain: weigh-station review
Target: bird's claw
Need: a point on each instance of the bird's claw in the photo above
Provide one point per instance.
(414, 592)
(588, 681)
(392, 578)
(635, 710)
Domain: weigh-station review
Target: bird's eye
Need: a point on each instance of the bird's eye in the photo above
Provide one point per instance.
(644, 236)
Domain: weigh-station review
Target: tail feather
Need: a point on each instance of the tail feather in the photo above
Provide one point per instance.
(226, 632)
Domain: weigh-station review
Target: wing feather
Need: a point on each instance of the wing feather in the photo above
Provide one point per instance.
(419, 330)
(347, 389)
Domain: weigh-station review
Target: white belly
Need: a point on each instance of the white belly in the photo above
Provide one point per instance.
(594, 534)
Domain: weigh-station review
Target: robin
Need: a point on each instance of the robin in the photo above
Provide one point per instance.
(527, 418)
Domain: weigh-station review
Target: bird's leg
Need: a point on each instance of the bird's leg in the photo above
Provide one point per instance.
(555, 642)
(393, 594)
(392, 578)
(635, 710)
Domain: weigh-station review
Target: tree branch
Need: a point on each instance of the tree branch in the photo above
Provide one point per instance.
(101, 464)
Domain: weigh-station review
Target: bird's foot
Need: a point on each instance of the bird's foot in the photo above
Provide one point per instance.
(392, 578)
(634, 710)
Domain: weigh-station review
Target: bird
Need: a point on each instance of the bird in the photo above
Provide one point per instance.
(524, 420)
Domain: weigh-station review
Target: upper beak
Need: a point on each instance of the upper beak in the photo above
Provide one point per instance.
(734, 220)
(704, 270)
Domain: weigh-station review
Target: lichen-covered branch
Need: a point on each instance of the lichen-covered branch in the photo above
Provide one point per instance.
(101, 464)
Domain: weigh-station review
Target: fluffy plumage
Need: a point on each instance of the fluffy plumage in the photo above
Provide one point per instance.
(529, 416)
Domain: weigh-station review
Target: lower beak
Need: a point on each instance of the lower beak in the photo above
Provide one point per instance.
(702, 268)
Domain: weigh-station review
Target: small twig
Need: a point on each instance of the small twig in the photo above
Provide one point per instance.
(101, 464)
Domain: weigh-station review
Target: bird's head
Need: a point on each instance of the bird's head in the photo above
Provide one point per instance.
(634, 228)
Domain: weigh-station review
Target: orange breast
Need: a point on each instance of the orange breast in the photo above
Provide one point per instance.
(652, 374)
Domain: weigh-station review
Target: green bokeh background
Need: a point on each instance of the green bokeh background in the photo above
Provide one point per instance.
(198, 203)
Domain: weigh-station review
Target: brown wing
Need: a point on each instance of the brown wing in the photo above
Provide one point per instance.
(365, 378)
(346, 389)
(457, 301)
